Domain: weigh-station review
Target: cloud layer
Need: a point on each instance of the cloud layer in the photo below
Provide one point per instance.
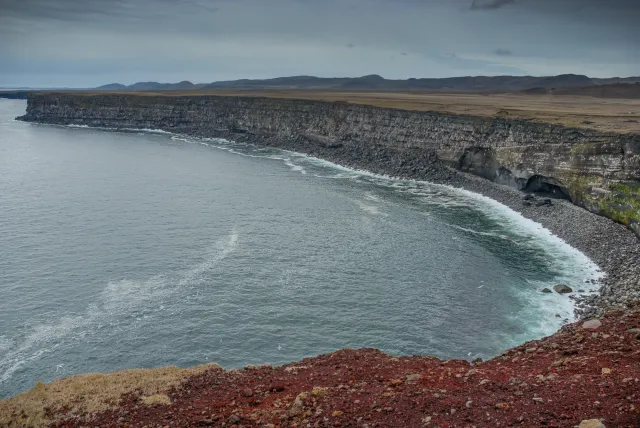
(489, 4)
(91, 42)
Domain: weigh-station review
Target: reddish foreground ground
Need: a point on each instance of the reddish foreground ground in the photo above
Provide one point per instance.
(577, 374)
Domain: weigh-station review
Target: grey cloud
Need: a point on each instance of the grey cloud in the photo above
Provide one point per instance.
(503, 52)
(90, 42)
(489, 4)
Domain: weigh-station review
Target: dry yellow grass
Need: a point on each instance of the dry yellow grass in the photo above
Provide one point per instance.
(92, 393)
(610, 114)
(156, 399)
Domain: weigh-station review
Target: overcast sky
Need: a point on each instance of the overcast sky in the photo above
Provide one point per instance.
(84, 43)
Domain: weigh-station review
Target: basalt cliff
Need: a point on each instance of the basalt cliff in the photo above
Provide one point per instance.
(597, 171)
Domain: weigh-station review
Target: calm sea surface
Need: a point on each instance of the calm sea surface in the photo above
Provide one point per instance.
(139, 249)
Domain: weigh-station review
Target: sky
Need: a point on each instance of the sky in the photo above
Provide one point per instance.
(87, 43)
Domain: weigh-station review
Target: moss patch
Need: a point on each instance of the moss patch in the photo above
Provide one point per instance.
(580, 185)
(623, 203)
(581, 147)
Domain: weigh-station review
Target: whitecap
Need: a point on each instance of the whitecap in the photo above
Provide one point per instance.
(370, 209)
(148, 130)
(482, 233)
(294, 167)
(371, 197)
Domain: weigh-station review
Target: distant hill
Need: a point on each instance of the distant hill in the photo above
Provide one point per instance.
(155, 86)
(112, 87)
(379, 83)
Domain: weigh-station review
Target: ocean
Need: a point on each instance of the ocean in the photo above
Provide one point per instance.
(137, 248)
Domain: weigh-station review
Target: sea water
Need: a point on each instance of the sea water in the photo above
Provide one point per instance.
(123, 249)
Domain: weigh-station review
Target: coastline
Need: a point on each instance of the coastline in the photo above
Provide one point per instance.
(554, 369)
(611, 246)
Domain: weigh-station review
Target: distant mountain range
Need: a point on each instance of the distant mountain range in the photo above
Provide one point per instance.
(564, 84)
(378, 83)
(150, 86)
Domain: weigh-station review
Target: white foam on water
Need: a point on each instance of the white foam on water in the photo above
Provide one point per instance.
(149, 131)
(229, 146)
(106, 128)
(540, 236)
(294, 167)
(573, 265)
(371, 197)
(230, 150)
(183, 139)
(117, 301)
(370, 209)
(482, 233)
(5, 343)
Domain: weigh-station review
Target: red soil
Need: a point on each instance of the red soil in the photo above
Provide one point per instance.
(558, 381)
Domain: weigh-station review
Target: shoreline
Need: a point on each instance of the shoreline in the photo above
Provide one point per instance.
(614, 248)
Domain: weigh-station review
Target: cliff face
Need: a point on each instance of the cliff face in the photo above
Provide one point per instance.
(598, 171)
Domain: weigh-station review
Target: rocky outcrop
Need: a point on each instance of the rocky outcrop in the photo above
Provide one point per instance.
(597, 171)
(562, 289)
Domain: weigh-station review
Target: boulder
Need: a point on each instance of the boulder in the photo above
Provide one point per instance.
(592, 324)
(546, 290)
(562, 289)
(297, 407)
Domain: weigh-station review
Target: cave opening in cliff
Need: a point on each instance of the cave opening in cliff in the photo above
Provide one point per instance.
(548, 187)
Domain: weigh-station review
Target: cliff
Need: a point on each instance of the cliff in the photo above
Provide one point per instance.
(595, 170)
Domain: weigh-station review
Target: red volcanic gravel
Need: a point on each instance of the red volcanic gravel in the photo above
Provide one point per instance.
(574, 375)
